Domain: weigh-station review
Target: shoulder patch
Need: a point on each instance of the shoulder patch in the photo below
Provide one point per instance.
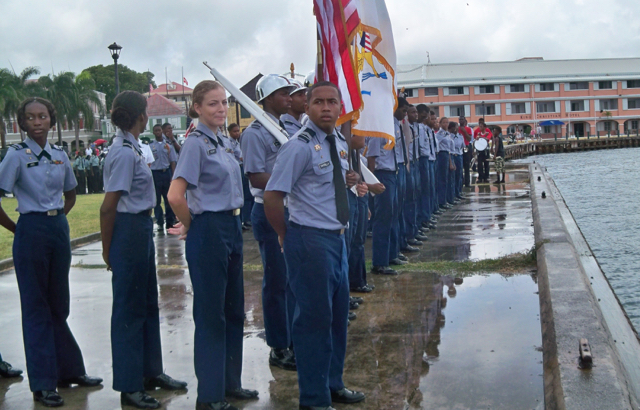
(53, 146)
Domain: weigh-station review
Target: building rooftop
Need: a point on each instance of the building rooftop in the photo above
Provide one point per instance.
(525, 70)
(160, 106)
(172, 88)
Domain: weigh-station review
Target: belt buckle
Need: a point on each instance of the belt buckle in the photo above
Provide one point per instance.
(236, 212)
(342, 231)
(53, 212)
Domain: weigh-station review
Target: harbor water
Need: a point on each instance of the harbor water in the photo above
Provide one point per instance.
(601, 190)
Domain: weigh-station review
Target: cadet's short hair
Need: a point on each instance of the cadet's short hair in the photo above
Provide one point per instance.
(127, 107)
(452, 125)
(322, 84)
(422, 108)
(157, 125)
(23, 109)
(165, 125)
(232, 126)
(402, 102)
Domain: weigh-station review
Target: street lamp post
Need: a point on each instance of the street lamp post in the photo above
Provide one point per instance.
(114, 49)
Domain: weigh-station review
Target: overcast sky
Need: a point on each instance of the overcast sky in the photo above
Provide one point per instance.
(243, 37)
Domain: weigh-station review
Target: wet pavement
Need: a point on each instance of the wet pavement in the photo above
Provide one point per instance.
(421, 340)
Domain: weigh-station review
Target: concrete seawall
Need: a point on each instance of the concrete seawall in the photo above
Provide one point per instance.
(577, 302)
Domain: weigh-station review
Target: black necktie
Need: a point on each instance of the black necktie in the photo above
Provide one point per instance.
(404, 146)
(342, 204)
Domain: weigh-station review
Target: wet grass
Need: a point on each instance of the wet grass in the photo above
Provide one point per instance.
(514, 263)
(84, 219)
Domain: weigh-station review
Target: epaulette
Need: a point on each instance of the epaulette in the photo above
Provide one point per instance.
(289, 122)
(127, 143)
(340, 135)
(306, 135)
(53, 146)
(256, 124)
(20, 146)
(197, 133)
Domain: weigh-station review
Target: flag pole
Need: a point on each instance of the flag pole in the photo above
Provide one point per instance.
(183, 98)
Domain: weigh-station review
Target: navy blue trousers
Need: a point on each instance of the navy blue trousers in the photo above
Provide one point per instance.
(317, 268)
(135, 323)
(214, 254)
(433, 172)
(443, 177)
(398, 215)
(459, 176)
(42, 258)
(353, 216)
(274, 281)
(383, 233)
(358, 228)
(411, 201)
(451, 182)
(162, 182)
(424, 200)
(248, 198)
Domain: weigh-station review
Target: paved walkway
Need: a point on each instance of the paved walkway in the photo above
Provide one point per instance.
(420, 341)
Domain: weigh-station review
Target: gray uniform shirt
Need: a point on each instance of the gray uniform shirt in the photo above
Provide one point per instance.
(37, 176)
(290, 123)
(425, 148)
(79, 163)
(259, 149)
(433, 143)
(399, 149)
(208, 164)
(126, 171)
(445, 143)
(384, 157)
(458, 144)
(304, 170)
(414, 146)
(163, 155)
(237, 151)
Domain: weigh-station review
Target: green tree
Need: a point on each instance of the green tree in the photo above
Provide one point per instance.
(14, 88)
(104, 78)
(59, 90)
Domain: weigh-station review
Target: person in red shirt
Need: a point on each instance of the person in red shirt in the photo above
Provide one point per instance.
(483, 156)
(467, 133)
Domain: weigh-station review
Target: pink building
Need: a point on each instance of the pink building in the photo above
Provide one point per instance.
(587, 96)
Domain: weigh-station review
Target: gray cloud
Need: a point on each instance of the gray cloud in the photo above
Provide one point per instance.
(244, 37)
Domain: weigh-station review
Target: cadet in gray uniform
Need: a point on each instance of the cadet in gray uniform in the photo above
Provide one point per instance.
(129, 251)
(162, 168)
(209, 175)
(311, 169)
(260, 149)
(78, 165)
(292, 118)
(39, 175)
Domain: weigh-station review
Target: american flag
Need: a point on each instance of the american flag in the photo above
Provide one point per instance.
(365, 42)
(337, 20)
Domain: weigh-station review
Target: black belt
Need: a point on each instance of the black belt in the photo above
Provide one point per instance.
(232, 212)
(53, 212)
(386, 170)
(160, 170)
(146, 212)
(333, 231)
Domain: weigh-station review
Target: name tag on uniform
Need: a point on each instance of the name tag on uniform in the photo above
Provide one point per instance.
(211, 151)
(324, 164)
(32, 164)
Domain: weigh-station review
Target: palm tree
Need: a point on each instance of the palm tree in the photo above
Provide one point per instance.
(13, 89)
(82, 104)
(59, 89)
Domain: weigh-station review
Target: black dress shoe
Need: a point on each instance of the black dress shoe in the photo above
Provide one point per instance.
(383, 270)
(242, 394)
(347, 396)
(164, 382)
(414, 242)
(139, 399)
(84, 381)
(160, 228)
(353, 305)
(315, 408)
(219, 405)
(402, 257)
(49, 398)
(245, 227)
(410, 248)
(357, 299)
(7, 371)
(397, 262)
(283, 358)
(352, 316)
(421, 237)
(361, 289)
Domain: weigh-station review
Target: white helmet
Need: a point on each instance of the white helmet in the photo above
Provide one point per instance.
(310, 80)
(298, 85)
(270, 83)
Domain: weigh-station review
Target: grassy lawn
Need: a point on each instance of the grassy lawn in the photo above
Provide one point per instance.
(84, 219)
